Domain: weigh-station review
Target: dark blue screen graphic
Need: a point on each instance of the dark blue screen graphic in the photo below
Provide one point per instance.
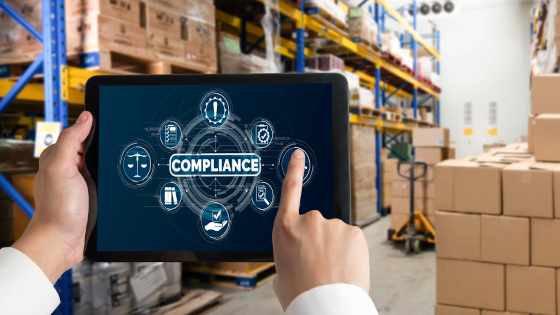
(200, 167)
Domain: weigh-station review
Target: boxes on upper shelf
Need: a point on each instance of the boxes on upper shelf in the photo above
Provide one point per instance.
(546, 138)
(430, 137)
(361, 26)
(545, 94)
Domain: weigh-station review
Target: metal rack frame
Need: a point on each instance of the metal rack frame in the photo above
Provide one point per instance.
(55, 96)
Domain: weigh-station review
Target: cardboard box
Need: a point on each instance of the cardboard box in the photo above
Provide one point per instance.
(421, 189)
(547, 138)
(558, 287)
(202, 11)
(200, 48)
(504, 240)
(166, 46)
(362, 145)
(531, 135)
(485, 312)
(366, 184)
(468, 186)
(418, 170)
(528, 189)
(25, 185)
(30, 10)
(361, 172)
(430, 137)
(237, 266)
(364, 205)
(531, 289)
(130, 11)
(97, 32)
(165, 21)
(433, 156)
(556, 190)
(386, 198)
(458, 236)
(454, 310)
(432, 219)
(470, 284)
(178, 6)
(443, 185)
(545, 94)
(545, 242)
(402, 205)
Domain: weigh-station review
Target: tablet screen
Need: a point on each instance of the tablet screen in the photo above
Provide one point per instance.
(200, 168)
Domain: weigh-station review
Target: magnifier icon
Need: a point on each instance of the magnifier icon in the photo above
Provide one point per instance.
(262, 196)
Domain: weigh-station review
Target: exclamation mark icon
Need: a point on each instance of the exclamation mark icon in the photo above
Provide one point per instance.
(215, 108)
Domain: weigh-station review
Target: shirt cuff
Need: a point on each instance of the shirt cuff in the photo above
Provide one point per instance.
(24, 287)
(340, 299)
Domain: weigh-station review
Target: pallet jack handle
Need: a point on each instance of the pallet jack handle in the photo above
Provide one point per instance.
(412, 178)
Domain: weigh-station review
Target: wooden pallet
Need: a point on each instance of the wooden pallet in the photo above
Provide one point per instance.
(410, 120)
(316, 11)
(230, 278)
(393, 116)
(366, 111)
(391, 58)
(408, 70)
(193, 302)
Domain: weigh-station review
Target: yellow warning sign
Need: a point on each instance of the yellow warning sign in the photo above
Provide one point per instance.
(468, 131)
(493, 131)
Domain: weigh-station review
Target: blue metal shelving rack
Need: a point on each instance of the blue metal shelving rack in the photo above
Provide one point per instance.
(53, 62)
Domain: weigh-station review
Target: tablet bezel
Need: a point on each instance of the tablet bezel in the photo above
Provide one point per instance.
(341, 154)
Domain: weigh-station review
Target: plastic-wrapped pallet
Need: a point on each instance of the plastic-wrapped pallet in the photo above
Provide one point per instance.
(434, 77)
(329, 6)
(166, 287)
(82, 288)
(324, 63)
(425, 67)
(407, 59)
(353, 80)
(391, 43)
(112, 294)
(361, 26)
(361, 97)
(233, 61)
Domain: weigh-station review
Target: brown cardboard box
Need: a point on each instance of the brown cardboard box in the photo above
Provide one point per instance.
(237, 266)
(202, 11)
(386, 198)
(164, 21)
(200, 48)
(470, 284)
(485, 312)
(504, 240)
(421, 205)
(432, 219)
(477, 188)
(387, 167)
(531, 135)
(433, 156)
(129, 11)
(24, 184)
(430, 137)
(97, 32)
(177, 6)
(547, 138)
(361, 172)
(545, 242)
(454, 310)
(418, 170)
(531, 289)
(556, 186)
(30, 10)
(362, 145)
(458, 236)
(545, 94)
(366, 184)
(364, 205)
(558, 288)
(421, 189)
(527, 189)
(443, 185)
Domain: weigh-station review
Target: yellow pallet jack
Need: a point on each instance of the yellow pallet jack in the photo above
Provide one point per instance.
(416, 228)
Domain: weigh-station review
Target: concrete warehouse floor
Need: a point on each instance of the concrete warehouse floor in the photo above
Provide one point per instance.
(399, 284)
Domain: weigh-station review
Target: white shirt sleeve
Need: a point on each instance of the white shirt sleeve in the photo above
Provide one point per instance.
(331, 299)
(24, 288)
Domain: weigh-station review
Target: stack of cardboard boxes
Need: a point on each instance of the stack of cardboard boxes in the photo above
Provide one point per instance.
(363, 174)
(432, 146)
(498, 229)
(544, 121)
(387, 166)
(181, 32)
(361, 26)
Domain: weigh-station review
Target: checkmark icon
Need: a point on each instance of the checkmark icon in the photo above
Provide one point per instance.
(216, 216)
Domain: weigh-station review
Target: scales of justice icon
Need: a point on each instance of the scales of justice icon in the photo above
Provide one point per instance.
(138, 156)
(137, 164)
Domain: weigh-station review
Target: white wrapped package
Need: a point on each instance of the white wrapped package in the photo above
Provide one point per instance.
(425, 67)
(329, 6)
(435, 79)
(361, 25)
(353, 80)
(406, 58)
(390, 42)
(361, 97)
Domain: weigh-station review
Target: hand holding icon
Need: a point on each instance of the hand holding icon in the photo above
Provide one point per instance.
(215, 226)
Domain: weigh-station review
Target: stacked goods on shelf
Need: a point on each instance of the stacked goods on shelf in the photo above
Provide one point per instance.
(180, 32)
(545, 45)
(363, 174)
(16, 44)
(387, 166)
(361, 26)
(497, 233)
(328, 11)
(362, 98)
(324, 63)
(544, 121)
(391, 44)
(232, 60)
(433, 144)
(407, 59)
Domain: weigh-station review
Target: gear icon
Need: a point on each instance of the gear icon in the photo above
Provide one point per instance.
(263, 135)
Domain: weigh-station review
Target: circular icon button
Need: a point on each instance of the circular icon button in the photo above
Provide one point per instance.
(170, 134)
(215, 221)
(215, 109)
(170, 196)
(286, 161)
(262, 196)
(137, 164)
(261, 134)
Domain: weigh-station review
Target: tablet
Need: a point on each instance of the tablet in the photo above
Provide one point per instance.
(190, 167)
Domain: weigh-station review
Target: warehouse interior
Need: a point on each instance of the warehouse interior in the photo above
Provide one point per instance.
(454, 133)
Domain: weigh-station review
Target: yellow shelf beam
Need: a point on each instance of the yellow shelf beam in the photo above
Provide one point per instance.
(33, 92)
(370, 82)
(380, 124)
(409, 28)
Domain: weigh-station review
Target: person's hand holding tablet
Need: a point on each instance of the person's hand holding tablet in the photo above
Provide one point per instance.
(312, 253)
